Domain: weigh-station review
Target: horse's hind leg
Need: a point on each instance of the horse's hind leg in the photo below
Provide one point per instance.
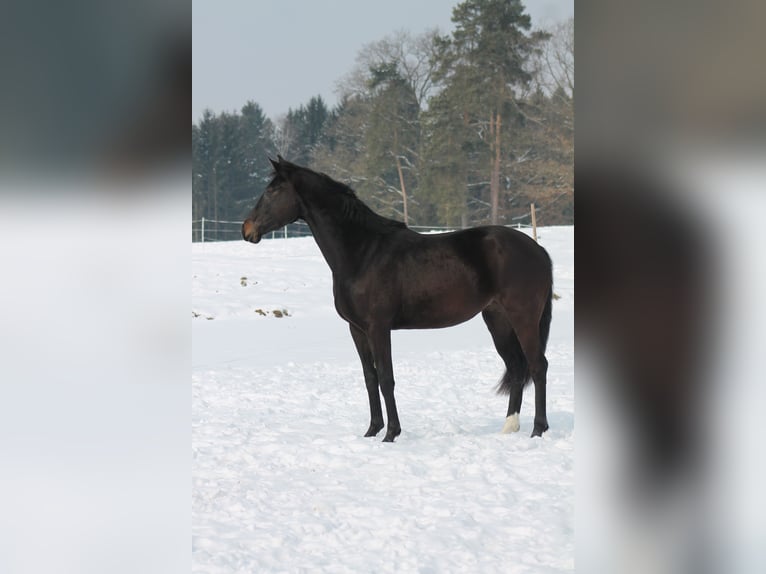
(528, 332)
(370, 380)
(516, 373)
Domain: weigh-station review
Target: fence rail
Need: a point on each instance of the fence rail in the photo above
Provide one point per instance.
(218, 230)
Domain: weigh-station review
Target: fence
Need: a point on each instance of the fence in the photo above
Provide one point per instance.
(217, 230)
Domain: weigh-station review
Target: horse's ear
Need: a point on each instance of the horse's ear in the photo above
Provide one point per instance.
(284, 167)
(275, 164)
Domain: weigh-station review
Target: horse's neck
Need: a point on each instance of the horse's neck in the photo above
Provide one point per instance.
(331, 233)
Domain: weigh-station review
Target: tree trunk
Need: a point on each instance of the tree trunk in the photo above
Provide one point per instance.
(215, 201)
(495, 123)
(404, 189)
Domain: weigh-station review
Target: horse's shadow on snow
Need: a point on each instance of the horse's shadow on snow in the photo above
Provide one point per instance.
(561, 426)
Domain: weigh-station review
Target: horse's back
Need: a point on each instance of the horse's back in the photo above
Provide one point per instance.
(502, 249)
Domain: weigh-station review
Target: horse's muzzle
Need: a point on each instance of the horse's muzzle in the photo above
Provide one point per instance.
(250, 232)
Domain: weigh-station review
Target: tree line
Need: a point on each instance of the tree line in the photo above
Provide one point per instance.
(456, 130)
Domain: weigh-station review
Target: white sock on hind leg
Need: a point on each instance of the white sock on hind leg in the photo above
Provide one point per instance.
(511, 423)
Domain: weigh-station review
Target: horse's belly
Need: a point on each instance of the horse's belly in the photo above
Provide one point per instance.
(438, 312)
(433, 322)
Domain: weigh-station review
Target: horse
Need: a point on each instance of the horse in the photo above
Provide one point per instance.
(387, 276)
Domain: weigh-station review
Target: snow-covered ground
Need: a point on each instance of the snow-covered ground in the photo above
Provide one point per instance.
(283, 480)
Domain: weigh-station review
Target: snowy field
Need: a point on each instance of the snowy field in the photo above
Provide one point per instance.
(283, 480)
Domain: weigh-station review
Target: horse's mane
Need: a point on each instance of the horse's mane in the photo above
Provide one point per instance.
(350, 207)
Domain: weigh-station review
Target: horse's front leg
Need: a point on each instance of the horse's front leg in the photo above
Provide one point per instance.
(370, 379)
(380, 343)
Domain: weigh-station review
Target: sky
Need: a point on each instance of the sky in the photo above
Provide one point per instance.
(281, 53)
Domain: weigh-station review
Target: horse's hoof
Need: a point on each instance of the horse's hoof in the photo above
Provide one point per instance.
(374, 429)
(538, 430)
(511, 423)
(392, 434)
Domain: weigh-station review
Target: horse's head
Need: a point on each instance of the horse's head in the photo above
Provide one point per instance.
(278, 206)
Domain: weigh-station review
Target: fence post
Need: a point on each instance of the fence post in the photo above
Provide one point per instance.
(203, 231)
(534, 223)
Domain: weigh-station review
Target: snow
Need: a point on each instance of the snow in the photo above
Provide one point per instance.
(284, 481)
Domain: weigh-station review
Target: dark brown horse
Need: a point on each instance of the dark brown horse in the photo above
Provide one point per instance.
(386, 276)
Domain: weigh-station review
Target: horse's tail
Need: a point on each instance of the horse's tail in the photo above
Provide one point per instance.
(545, 320)
(517, 368)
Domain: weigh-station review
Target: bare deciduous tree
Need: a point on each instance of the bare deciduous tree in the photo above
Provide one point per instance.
(411, 55)
(557, 60)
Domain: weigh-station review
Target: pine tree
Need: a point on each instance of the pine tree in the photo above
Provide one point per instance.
(316, 117)
(203, 160)
(228, 172)
(229, 164)
(485, 63)
(256, 140)
(342, 153)
(392, 137)
(302, 130)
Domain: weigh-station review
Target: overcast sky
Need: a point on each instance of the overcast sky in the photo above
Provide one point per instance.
(280, 53)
